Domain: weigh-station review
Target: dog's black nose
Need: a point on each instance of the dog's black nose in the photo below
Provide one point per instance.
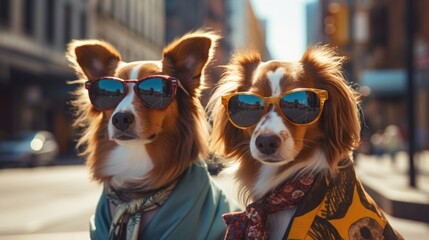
(268, 144)
(122, 120)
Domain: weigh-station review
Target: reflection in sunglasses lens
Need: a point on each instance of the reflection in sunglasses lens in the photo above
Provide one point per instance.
(107, 93)
(155, 92)
(300, 107)
(245, 110)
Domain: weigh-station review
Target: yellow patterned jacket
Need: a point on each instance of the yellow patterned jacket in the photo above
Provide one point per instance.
(339, 208)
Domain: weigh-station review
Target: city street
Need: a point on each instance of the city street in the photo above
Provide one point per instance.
(39, 203)
(48, 49)
(56, 203)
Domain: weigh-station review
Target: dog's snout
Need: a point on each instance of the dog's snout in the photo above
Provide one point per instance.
(268, 144)
(122, 120)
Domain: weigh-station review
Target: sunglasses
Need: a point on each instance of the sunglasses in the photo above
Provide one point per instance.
(155, 92)
(301, 106)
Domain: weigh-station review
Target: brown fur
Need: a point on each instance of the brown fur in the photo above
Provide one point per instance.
(340, 117)
(181, 129)
(336, 133)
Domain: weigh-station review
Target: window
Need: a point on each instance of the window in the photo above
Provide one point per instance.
(4, 12)
(83, 24)
(128, 14)
(28, 17)
(67, 23)
(100, 6)
(379, 26)
(50, 21)
(113, 9)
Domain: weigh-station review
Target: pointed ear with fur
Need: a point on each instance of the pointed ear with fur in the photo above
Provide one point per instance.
(92, 59)
(340, 117)
(244, 64)
(186, 58)
(238, 77)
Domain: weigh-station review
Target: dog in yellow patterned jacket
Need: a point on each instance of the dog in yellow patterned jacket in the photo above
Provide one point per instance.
(290, 128)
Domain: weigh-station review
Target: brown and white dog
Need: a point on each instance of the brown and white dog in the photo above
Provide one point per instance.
(276, 120)
(144, 132)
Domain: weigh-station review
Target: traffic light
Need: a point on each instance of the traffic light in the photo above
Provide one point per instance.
(336, 23)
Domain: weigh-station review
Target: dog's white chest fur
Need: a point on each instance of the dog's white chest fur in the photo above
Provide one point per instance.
(127, 163)
(279, 222)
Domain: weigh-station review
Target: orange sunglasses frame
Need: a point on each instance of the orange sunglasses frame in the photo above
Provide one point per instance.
(322, 94)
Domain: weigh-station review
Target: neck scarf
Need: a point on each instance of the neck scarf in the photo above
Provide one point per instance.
(128, 212)
(252, 224)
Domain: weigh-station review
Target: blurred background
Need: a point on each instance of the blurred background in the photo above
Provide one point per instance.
(386, 43)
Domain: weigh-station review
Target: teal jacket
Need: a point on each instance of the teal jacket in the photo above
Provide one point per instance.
(192, 211)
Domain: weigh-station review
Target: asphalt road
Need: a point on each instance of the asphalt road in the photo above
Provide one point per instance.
(56, 203)
(46, 202)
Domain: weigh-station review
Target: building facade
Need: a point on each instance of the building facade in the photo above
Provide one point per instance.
(373, 35)
(34, 93)
(247, 31)
(135, 27)
(234, 20)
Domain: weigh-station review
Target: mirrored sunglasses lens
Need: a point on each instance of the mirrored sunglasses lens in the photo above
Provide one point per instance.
(107, 93)
(156, 92)
(300, 107)
(245, 110)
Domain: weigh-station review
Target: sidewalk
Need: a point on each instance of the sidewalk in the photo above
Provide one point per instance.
(388, 184)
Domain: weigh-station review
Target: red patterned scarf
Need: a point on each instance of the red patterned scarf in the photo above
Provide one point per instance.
(252, 224)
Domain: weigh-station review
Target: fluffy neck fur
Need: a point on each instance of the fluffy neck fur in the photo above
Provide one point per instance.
(127, 163)
(265, 178)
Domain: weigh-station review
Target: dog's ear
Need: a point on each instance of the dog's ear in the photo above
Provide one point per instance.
(225, 137)
(92, 59)
(185, 58)
(243, 65)
(340, 117)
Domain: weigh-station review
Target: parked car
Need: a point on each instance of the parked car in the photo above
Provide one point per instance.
(33, 148)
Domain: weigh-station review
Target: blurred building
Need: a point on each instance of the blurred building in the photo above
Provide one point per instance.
(34, 93)
(135, 27)
(314, 25)
(234, 20)
(247, 31)
(33, 70)
(206, 15)
(372, 33)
